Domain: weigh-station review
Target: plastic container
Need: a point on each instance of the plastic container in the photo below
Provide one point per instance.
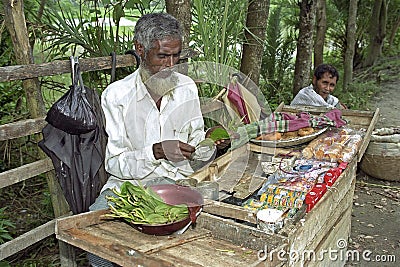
(270, 220)
(208, 189)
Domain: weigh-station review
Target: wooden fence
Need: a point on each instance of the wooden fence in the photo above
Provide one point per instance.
(33, 126)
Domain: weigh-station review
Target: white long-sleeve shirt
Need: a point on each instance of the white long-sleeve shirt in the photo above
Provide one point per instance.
(134, 124)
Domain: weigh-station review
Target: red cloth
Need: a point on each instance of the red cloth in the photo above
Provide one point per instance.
(236, 98)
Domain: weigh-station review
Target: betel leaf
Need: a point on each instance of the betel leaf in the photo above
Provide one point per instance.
(208, 142)
(219, 134)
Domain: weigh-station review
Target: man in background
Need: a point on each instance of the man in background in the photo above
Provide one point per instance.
(319, 93)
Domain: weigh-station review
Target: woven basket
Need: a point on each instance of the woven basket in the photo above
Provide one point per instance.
(382, 157)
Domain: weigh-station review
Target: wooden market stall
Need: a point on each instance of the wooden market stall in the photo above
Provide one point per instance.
(226, 233)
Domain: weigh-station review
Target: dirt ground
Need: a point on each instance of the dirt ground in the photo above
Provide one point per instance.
(375, 231)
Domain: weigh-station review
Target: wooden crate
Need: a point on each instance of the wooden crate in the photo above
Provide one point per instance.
(213, 242)
(226, 234)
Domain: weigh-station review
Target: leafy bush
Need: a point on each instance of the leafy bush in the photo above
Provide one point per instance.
(5, 225)
(358, 95)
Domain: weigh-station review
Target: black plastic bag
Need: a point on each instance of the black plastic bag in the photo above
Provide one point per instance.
(72, 113)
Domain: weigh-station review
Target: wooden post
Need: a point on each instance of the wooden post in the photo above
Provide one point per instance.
(16, 25)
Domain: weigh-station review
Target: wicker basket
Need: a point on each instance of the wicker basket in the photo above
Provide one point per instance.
(382, 157)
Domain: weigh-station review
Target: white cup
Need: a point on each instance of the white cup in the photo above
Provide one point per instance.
(270, 220)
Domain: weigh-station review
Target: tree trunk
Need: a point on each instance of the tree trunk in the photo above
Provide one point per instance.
(394, 31)
(304, 45)
(15, 22)
(320, 33)
(350, 44)
(256, 23)
(180, 9)
(377, 32)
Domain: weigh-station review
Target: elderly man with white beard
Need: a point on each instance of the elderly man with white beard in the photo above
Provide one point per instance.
(153, 116)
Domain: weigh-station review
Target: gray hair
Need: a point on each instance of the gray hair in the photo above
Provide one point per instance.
(156, 26)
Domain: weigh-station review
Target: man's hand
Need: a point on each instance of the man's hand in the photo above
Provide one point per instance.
(340, 105)
(172, 150)
(222, 143)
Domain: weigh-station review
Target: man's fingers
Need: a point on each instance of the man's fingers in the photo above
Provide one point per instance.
(173, 150)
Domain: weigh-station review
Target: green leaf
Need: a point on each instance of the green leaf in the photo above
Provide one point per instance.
(206, 142)
(118, 13)
(219, 134)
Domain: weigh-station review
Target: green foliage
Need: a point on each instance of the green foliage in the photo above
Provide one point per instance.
(5, 225)
(217, 33)
(218, 30)
(4, 264)
(277, 64)
(12, 102)
(90, 29)
(358, 94)
(85, 32)
(6, 48)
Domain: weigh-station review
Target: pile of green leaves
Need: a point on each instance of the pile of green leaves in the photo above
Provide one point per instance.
(140, 205)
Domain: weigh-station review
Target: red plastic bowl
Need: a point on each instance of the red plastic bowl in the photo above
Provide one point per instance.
(174, 195)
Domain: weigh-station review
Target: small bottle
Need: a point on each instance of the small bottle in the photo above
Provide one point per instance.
(213, 168)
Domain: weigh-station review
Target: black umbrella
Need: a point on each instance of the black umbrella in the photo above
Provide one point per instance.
(78, 159)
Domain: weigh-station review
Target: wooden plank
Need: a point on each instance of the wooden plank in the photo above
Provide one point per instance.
(67, 255)
(358, 121)
(25, 172)
(339, 234)
(297, 109)
(114, 240)
(108, 248)
(222, 163)
(21, 72)
(148, 244)
(210, 252)
(176, 243)
(239, 233)
(229, 211)
(367, 136)
(80, 220)
(21, 128)
(274, 150)
(319, 110)
(25, 240)
(341, 216)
